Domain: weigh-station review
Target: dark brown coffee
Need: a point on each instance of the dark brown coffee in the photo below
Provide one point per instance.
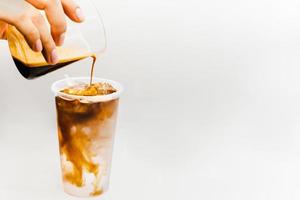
(34, 72)
(37, 71)
(32, 64)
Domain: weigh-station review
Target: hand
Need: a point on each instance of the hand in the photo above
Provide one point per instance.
(3, 27)
(25, 16)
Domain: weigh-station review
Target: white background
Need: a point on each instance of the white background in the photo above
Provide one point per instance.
(211, 108)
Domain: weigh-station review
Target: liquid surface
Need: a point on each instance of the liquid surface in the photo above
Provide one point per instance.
(93, 89)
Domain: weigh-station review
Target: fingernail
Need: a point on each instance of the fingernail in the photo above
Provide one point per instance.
(79, 14)
(54, 57)
(38, 45)
(61, 39)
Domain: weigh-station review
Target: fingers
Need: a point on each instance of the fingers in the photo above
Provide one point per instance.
(35, 29)
(56, 17)
(30, 32)
(72, 10)
(49, 48)
(3, 28)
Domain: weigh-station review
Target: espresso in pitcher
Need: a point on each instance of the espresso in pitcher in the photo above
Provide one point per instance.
(32, 64)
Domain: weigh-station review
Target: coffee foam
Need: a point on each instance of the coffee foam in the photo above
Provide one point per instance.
(60, 85)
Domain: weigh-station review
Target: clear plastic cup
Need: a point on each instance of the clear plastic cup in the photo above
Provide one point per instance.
(86, 128)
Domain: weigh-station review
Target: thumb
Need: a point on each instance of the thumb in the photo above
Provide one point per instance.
(3, 28)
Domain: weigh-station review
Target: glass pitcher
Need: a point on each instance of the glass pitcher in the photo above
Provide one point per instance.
(82, 40)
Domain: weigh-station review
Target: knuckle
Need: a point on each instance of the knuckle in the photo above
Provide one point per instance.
(49, 43)
(19, 18)
(46, 3)
(37, 18)
(60, 28)
(33, 34)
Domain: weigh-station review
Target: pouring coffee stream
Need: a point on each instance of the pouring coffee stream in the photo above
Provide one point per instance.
(32, 64)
